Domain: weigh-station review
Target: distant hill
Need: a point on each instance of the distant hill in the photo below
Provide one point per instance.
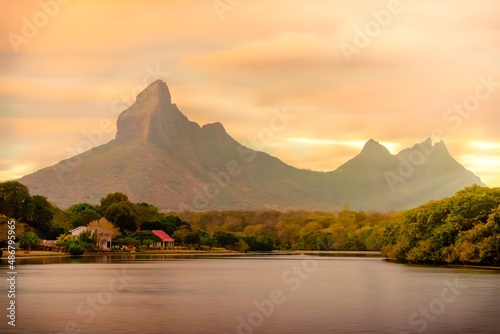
(162, 158)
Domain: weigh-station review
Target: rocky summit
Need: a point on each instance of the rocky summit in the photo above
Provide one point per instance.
(160, 157)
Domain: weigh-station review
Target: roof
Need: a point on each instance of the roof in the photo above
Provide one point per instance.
(162, 235)
(84, 228)
(92, 228)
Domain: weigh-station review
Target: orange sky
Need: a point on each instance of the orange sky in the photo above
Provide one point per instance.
(85, 61)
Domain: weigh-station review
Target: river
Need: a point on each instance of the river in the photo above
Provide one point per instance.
(250, 294)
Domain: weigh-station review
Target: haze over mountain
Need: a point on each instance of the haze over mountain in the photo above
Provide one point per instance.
(162, 158)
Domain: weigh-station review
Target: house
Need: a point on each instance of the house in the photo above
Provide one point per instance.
(103, 236)
(166, 240)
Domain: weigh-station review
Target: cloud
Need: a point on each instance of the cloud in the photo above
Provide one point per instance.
(289, 51)
(264, 55)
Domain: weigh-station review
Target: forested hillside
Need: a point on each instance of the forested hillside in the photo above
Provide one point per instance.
(462, 229)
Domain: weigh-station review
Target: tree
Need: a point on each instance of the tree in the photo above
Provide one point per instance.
(104, 224)
(84, 217)
(207, 240)
(172, 223)
(103, 230)
(14, 200)
(77, 208)
(76, 248)
(463, 228)
(88, 240)
(40, 216)
(258, 244)
(122, 215)
(147, 213)
(64, 240)
(310, 228)
(111, 199)
(192, 238)
(55, 232)
(150, 226)
(61, 219)
(29, 240)
(144, 237)
(181, 235)
(226, 240)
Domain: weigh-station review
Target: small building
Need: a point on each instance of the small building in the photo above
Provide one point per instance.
(103, 236)
(166, 240)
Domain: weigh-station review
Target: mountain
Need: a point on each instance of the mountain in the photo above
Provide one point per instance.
(160, 157)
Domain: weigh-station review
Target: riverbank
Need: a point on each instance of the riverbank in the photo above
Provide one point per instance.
(217, 251)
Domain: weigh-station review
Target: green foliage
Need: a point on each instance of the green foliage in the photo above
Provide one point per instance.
(64, 240)
(88, 240)
(144, 237)
(55, 232)
(259, 244)
(29, 240)
(130, 240)
(41, 213)
(84, 217)
(14, 200)
(146, 213)
(462, 229)
(122, 215)
(226, 240)
(113, 198)
(77, 208)
(76, 248)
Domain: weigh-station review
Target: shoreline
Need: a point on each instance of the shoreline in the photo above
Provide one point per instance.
(201, 253)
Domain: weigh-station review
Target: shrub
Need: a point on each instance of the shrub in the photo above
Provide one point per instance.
(75, 248)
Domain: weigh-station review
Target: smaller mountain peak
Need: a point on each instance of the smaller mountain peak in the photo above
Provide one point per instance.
(156, 90)
(428, 141)
(429, 145)
(214, 127)
(374, 146)
(374, 150)
(214, 130)
(371, 143)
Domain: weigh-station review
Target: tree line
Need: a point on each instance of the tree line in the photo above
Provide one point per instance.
(462, 229)
(234, 230)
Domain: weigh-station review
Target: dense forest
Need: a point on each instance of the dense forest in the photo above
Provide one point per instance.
(233, 230)
(462, 229)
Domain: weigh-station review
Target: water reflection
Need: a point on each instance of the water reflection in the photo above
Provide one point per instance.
(252, 294)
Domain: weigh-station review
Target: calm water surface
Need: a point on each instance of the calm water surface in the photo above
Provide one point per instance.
(272, 294)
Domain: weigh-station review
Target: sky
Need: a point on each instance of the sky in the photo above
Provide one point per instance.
(344, 71)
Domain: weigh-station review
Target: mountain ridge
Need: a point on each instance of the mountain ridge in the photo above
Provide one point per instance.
(161, 157)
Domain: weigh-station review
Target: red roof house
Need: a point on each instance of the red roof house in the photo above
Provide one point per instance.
(166, 240)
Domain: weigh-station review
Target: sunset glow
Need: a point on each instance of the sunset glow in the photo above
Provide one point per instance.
(89, 60)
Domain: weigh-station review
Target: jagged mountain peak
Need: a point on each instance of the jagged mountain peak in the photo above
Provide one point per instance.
(428, 148)
(156, 90)
(152, 117)
(162, 158)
